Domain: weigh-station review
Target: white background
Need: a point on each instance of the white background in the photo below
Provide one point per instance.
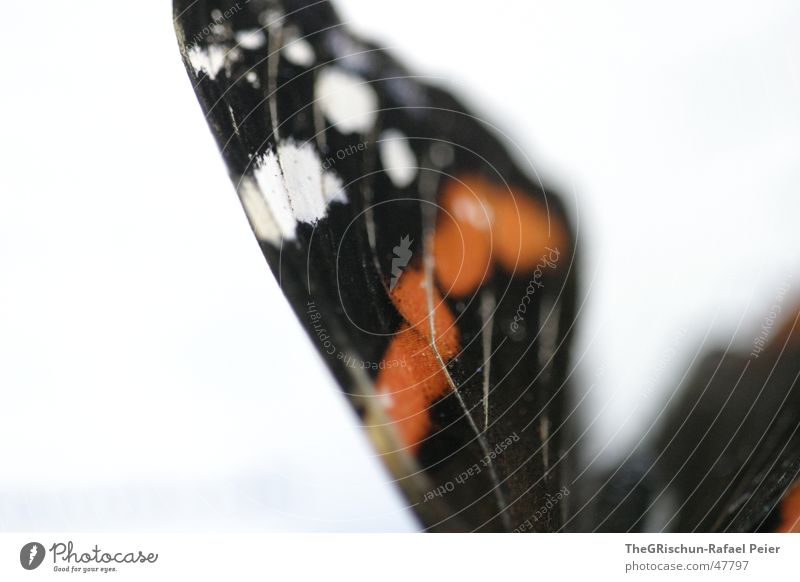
(152, 375)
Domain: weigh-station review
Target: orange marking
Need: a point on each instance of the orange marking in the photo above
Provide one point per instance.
(790, 511)
(523, 229)
(462, 242)
(411, 299)
(480, 221)
(409, 390)
(477, 215)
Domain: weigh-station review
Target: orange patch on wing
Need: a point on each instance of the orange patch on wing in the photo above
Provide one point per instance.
(408, 390)
(411, 388)
(524, 230)
(478, 218)
(410, 296)
(790, 511)
(462, 241)
(481, 221)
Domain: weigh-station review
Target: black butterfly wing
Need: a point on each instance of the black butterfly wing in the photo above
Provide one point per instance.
(434, 276)
(730, 450)
(726, 457)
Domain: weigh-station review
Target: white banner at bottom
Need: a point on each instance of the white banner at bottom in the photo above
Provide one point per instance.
(390, 557)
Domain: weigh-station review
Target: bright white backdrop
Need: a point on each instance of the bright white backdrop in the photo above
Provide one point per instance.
(152, 376)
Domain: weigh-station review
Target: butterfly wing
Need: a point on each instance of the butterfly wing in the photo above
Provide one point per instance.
(727, 454)
(435, 277)
(730, 450)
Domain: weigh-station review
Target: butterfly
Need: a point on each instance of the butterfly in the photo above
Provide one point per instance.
(436, 274)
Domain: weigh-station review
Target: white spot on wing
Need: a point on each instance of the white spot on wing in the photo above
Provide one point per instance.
(258, 213)
(252, 78)
(296, 188)
(302, 172)
(251, 39)
(208, 60)
(474, 211)
(397, 158)
(334, 190)
(385, 399)
(270, 181)
(346, 100)
(299, 52)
